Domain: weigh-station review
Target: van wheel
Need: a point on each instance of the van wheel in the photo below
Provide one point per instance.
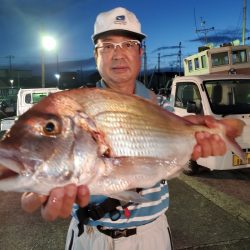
(193, 168)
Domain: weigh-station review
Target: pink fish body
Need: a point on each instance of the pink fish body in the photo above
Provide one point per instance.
(110, 141)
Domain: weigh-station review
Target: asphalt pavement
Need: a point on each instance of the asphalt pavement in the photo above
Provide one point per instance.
(201, 217)
(197, 221)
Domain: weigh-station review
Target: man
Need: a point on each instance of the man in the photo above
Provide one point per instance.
(118, 52)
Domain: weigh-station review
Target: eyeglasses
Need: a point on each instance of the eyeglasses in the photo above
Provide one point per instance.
(108, 47)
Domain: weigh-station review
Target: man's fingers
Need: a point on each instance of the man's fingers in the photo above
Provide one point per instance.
(208, 145)
(70, 192)
(59, 202)
(51, 210)
(30, 202)
(82, 198)
(218, 145)
(196, 153)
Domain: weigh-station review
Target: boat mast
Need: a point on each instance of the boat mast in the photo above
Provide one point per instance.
(244, 22)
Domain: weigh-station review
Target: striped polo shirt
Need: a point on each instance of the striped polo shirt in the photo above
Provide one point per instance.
(139, 214)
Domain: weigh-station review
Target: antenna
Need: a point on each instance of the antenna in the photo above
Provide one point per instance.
(10, 65)
(159, 62)
(195, 20)
(244, 22)
(203, 29)
(179, 58)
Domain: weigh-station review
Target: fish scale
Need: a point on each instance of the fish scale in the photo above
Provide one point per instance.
(110, 141)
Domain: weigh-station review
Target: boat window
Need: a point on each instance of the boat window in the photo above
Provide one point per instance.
(239, 56)
(190, 65)
(196, 63)
(219, 59)
(203, 61)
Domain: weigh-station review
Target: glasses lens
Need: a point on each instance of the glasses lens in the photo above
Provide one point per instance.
(109, 47)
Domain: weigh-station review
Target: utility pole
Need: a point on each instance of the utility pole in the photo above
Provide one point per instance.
(159, 69)
(244, 22)
(145, 64)
(43, 68)
(10, 62)
(159, 62)
(10, 57)
(179, 58)
(204, 30)
(57, 63)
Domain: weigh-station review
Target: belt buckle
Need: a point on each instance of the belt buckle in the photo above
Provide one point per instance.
(119, 233)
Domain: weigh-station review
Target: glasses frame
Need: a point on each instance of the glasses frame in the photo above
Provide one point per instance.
(101, 45)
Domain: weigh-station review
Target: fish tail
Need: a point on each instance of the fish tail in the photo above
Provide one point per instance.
(233, 128)
(235, 147)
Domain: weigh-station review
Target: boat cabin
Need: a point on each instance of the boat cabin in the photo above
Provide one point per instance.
(228, 58)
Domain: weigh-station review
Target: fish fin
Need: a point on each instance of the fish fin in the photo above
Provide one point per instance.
(129, 196)
(235, 147)
(228, 129)
(141, 172)
(234, 128)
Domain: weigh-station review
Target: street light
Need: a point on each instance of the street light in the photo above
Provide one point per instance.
(48, 43)
(11, 83)
(57, 76)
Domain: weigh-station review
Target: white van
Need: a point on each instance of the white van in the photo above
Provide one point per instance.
(26, 98)
(222, 96)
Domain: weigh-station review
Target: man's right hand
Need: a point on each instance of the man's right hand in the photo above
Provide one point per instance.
(59, 202)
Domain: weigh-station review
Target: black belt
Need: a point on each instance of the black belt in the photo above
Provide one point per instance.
(117, 233)
(96, 212)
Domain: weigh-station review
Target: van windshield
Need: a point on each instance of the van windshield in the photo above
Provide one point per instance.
(34, 97)
(229, 96)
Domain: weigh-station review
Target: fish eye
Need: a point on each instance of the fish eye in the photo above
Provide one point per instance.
(51, 128)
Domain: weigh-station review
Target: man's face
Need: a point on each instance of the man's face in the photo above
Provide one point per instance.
(118, 65)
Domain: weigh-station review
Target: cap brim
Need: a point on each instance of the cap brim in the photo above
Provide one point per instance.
(127, 33)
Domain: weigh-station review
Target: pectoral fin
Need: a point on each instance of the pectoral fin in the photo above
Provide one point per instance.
(129, 196)
(126, 173)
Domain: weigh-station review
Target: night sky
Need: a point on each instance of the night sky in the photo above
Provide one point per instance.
(166, 23)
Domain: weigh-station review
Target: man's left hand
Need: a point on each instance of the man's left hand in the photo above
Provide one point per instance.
(208, 144)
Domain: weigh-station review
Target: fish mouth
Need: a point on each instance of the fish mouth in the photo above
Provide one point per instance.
(15, 171)
(9, 175)
(10, 171)
(10, 166)
(6, 173)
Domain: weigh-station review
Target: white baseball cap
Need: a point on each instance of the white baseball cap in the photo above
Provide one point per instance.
(117, 21)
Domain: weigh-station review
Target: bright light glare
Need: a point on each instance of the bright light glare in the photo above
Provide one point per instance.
(48, 42)
(57, 76)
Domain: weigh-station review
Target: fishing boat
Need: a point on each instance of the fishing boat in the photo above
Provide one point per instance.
(228, 58)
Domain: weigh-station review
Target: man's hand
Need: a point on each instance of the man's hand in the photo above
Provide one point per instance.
(58, 204)
(209, 144)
